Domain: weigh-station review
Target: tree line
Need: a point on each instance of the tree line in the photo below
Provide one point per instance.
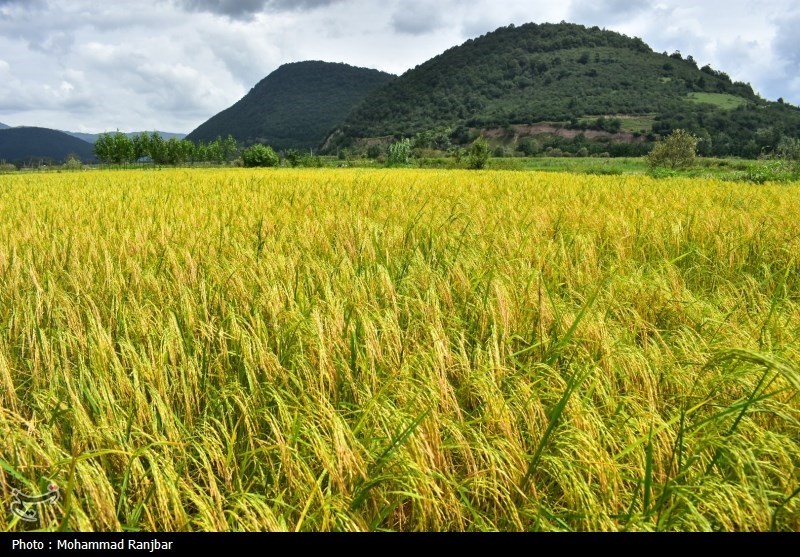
(118, 148)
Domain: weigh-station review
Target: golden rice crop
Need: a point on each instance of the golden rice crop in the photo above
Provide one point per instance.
(399, 349)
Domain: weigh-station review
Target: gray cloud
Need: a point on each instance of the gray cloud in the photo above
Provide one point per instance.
(477, 26)
(418, 17)
(245, 9)
(604, 12)
(787, 38)
(8, 7)
(786, 46)
(482, 17)
(56, 43)
(281, 5)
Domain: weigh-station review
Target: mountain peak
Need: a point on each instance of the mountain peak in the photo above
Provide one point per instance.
(295, 106)
(567, 77)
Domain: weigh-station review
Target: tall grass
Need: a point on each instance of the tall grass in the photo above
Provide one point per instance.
(401, 350)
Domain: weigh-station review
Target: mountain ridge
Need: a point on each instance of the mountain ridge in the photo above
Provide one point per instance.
(571, 77)
(27, 144)
(294, 107)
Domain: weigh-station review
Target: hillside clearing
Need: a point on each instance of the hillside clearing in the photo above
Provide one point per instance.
(724, 101)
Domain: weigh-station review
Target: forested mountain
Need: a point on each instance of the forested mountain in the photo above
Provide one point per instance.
(294, 107)
(571, 78)
(33, 145)
(531, 88)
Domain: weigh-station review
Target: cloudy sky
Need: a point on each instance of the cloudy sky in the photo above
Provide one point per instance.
(86, 65)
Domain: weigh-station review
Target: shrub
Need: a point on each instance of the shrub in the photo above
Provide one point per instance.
(311, 161)
(73, 163)
(260, 155)
(789, 151)
(789, 148)
(679, 150)
(529, 147)
(294, 158)
(458, 154)
(400, 152)
(478, 155)
(767, 171)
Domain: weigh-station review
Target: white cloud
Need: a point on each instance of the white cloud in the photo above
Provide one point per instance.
(171, 64)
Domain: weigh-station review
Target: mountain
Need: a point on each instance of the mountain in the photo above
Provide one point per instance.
(294, 107)
(25, 145)
(92, 137)
(3, 126)
(565, 83)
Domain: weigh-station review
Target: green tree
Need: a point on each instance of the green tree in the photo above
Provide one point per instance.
(141, 146)
(437, 138)
(187, 150)
(178, 151)
(122, 146)
(229, 148)
(201, 152)
(157, 148)
(478, 155)
(116, 148)
(704, 143)
(104, 148)
(260, 155)
(679, 150)
(215, 151)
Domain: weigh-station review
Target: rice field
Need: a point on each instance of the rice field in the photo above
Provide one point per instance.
(353, 349)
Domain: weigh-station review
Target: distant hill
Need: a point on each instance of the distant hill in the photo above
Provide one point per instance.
(558, 80)
(92, 137)
(3, 126)
(294, 107)
(32, 145)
